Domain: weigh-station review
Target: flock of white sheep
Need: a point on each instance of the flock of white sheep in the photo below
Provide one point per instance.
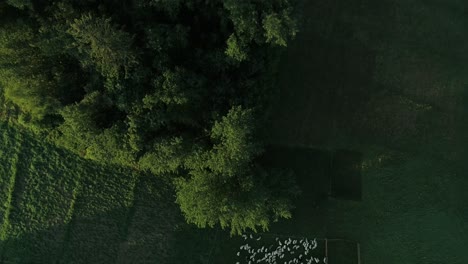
(287, 251)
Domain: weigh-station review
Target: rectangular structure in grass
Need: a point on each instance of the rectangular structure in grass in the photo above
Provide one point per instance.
(100, 217)
(341, 251)
(45, 187)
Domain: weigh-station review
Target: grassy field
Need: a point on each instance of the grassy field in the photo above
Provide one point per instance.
(384, 80)
(58, 208)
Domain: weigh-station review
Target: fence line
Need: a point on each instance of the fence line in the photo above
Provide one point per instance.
(326, 248)
(359, 253)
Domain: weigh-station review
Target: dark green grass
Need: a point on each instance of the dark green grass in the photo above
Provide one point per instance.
(383, 78)
(89, 231)
(345, 175)
(310, 167)
(150, 229)
(342, 252)
(386, 79)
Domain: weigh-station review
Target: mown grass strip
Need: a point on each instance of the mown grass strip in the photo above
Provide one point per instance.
(42, 203)
(11, 174)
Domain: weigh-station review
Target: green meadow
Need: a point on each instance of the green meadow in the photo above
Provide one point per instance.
(388, 80)
(385, 80)
(370, 115)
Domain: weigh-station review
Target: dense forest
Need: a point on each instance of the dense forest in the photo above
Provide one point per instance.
(175, 88)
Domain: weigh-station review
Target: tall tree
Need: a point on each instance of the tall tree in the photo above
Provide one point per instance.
(25, 75)
(103, 46)
(226, 187)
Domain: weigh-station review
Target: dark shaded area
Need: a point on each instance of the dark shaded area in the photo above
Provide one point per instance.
(151, 231)
(325, 78)
(346, 180)
(411, 126)
(41, 247)
(203, 242)
(342, 252)
(319, 173)
(311, 168)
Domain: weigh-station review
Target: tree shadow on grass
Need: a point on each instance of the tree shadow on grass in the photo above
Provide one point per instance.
(321, 175)
(345, 176)
(143, 234)
(326, 78)
(311, 168)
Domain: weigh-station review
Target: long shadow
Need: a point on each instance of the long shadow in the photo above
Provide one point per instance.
(345, 176)
(325, 79)
(321, 175)
(311, 168)
(102, 243)
(155, 233)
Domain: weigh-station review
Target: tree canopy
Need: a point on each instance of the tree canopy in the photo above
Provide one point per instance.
(171, 87)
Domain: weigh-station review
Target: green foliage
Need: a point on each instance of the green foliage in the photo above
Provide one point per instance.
(225, 187)
(29, 94)
(244, 15)
(103, 46)
(172, 7)
(109, 147)
(236, 49)
(258, 22)
(22, 74)
(21, 4)
(279, 28)
(235, 145)
(143, 85)
(79, 127)
(177, 87)
(164, 39)
(241, 203)
(165, 157)
(54, 39)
